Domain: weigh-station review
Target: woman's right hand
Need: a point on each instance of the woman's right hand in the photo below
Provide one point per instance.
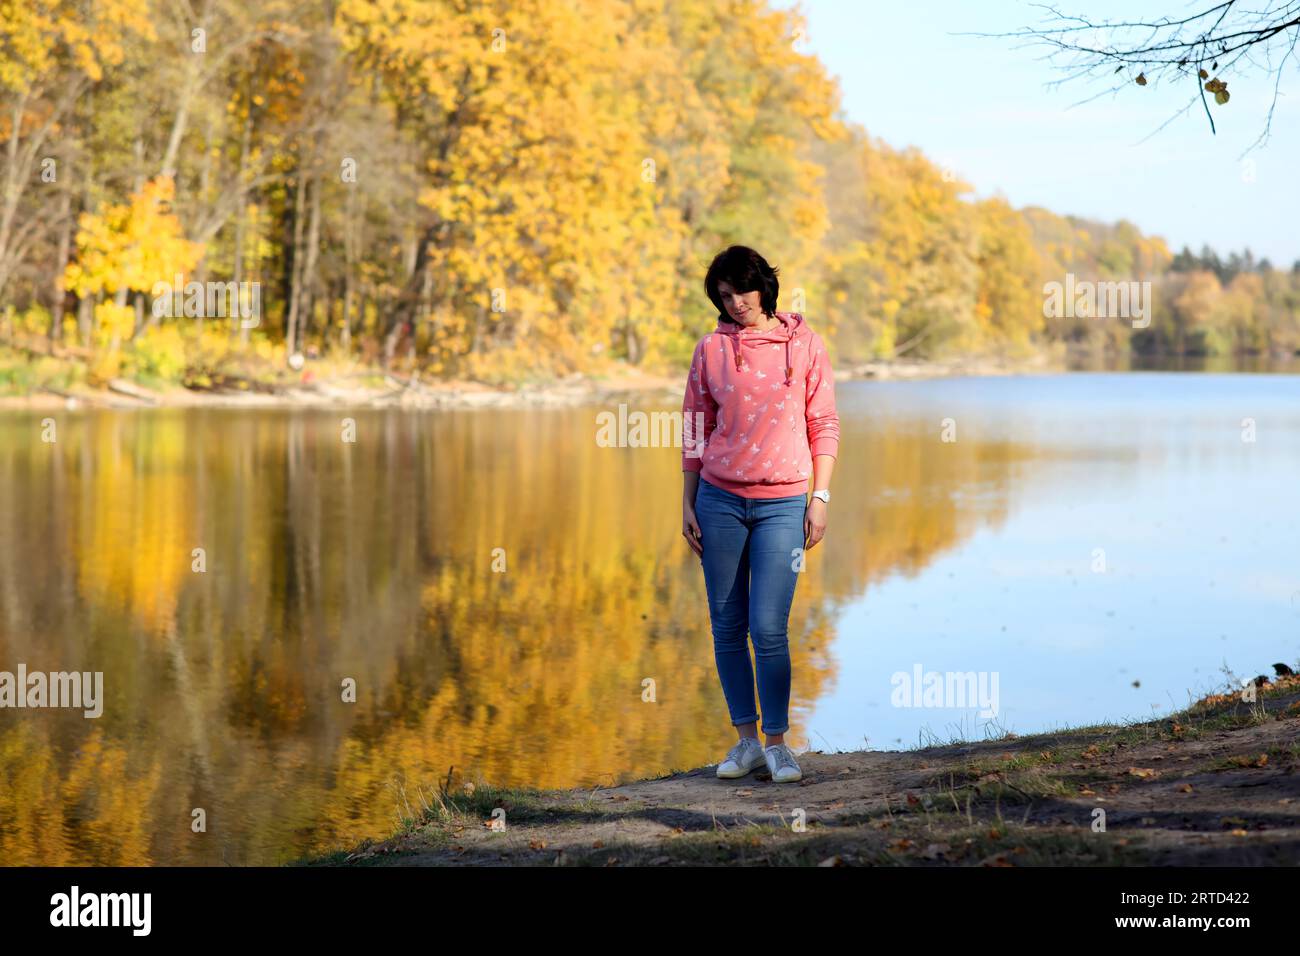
(691, 530)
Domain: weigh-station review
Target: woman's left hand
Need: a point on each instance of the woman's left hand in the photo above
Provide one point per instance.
(814, 523)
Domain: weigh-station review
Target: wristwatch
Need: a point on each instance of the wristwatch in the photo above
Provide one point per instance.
(824, 495)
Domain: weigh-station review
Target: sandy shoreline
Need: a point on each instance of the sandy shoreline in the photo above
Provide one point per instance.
(401, 393)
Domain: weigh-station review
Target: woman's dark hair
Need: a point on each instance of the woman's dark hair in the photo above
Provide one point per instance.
(745, 271)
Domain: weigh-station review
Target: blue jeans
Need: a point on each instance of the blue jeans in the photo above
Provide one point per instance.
(750, 554)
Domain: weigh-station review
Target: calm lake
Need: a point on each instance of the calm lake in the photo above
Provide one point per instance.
(506, 593)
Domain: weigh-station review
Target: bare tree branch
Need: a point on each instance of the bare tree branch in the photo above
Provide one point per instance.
(1224, 40)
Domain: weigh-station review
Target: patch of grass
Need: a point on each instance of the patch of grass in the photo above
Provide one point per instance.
(476, 802)
(1214, 713)
(764, 845)
(17, 377)
(359, 856)
(1267, 757)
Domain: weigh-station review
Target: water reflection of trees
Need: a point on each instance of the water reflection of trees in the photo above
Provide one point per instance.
(374, 561)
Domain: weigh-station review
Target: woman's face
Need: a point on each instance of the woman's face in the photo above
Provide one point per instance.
(742, 307)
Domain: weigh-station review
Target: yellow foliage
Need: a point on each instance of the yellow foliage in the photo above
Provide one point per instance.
(40, 37)
(131, 246)
(562, 170)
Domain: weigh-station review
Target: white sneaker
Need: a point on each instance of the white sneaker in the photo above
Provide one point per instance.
(781, 764)
(741, 759)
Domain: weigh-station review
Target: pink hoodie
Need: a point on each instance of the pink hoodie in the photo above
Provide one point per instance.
(758, 407)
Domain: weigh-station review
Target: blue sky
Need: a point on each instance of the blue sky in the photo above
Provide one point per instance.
(985, 108)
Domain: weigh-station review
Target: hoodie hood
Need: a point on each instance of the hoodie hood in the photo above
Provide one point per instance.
(789, 324)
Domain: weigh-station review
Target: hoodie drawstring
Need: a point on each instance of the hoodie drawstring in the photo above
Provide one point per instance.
(789, 366)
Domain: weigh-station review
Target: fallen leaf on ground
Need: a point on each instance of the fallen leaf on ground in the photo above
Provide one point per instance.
(1249, 761)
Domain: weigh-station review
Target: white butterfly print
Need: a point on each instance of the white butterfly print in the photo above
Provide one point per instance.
(750, 418)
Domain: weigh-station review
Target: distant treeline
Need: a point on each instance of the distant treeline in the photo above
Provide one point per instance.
(513, 188)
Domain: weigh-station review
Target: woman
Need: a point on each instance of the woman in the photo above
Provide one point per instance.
(760, 420)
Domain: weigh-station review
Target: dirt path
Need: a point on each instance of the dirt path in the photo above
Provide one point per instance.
(1218, 784)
